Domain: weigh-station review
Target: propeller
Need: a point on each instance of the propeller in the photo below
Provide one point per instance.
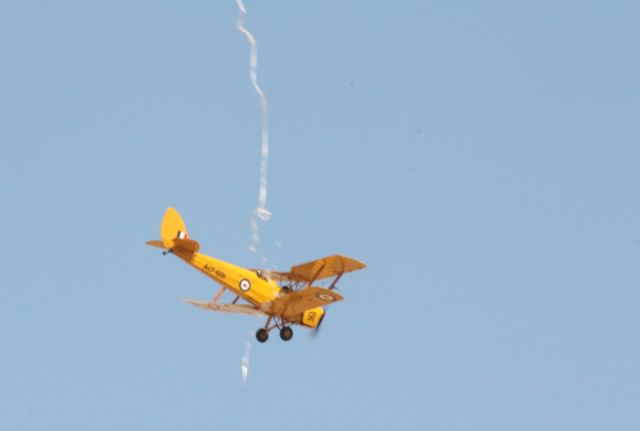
(315, 332)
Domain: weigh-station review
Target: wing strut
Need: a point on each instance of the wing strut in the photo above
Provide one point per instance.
(219, 294)
(316, 275)
(333, 285)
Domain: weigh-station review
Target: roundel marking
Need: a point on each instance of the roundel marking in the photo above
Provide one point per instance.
(326, 297)
(245, 285)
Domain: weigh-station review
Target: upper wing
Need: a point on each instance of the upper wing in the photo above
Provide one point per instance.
(291, 305)
(318, 269)
(227, 308)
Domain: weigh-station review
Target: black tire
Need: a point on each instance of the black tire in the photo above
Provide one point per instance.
(262, 335)
(286, 333)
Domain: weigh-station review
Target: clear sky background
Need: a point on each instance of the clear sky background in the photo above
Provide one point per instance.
(481, 158)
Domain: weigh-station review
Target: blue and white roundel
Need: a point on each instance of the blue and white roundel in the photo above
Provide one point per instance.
(245, 285)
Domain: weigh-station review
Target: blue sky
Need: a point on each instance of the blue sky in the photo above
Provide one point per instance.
(481, 158)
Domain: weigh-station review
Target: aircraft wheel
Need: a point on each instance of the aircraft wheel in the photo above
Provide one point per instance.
(286, 333)
(262, 335)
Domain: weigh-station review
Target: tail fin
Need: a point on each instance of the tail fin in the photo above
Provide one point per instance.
(172, 227)
(174, 233)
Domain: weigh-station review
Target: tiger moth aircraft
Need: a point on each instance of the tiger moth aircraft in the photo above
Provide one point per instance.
(284, 298)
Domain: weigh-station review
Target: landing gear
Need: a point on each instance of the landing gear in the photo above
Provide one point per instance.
(262, 335)
(273, 322)
(286, 333)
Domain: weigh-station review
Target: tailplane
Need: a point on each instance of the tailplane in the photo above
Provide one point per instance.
(174, 234)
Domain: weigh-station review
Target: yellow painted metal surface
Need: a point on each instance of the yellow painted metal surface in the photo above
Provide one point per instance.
(241, 281)
(311, 318)
(172, 227)
(257, 287)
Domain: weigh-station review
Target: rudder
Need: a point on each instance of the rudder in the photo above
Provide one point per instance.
(172, 227)
(174, 234)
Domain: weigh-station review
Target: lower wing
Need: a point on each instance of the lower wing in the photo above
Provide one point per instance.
(292, 305)
(226, 308)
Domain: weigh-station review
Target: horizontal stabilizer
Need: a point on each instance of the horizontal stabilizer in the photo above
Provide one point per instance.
(158, 244)
(189, 245)
(226, 308)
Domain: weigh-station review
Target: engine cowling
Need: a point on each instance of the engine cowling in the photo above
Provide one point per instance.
(312, 317)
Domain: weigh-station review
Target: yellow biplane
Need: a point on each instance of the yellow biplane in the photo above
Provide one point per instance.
(284, 298)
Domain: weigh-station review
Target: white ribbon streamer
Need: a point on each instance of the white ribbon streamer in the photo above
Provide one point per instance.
(261, 211)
